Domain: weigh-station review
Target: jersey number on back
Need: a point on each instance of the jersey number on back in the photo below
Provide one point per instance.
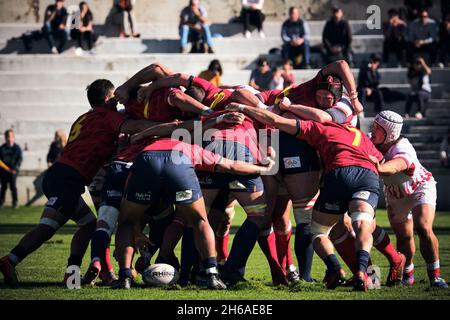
(357, 140)
(76, 129)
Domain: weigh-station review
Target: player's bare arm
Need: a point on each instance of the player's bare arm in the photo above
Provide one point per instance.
(173, 80)
(304, 112)
(148, 74)
(390, 167)
(186, 103)
(266, 117)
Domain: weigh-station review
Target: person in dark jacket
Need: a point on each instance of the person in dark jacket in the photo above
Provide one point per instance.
(56, 147)
(11, 156)
(295, 35)
(368, 83)
(54, 29)
(394, 31)
(414, 7)
(337, 38)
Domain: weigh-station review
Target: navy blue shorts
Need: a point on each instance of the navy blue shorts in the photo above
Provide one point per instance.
(155, 178)
(296, 156)
(234, 182)
(342, 185)
(114, 184)
(63, 187)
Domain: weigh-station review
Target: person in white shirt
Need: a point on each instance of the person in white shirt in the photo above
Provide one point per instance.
(410, 192)
(252, 14)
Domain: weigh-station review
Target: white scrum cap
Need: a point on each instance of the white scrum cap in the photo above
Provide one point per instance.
(391, 122)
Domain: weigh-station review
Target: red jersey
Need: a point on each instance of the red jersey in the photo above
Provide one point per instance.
(215, 97)
(201, 159)
(339, 145)
(92, 141)
(244, 133)
(304, 94)
(157, 108)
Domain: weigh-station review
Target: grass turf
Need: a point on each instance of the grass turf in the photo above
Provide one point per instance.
(42, 272)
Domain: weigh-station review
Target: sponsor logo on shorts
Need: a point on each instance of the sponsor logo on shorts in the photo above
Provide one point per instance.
(236, 185)
(142, 196)
(292, 162)
(183, 195)
(52, 201)
(114, 194)
(332, 206)
(362, 195)
(207, 180)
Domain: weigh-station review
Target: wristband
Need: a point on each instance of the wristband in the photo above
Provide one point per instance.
(207, 111)
(262, 105)
(241, 107)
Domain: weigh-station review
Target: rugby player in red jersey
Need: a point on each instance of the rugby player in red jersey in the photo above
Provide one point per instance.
(165, 171)
(350, 183)
(91, 142)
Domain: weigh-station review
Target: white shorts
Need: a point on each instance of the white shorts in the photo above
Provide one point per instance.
(399, 210)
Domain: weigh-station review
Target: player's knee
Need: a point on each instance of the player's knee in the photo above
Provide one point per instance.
(87, 220)
(424, 231)
(107, 219)
(302, 214)
(361, 217)
(53, 224)
(318, 230)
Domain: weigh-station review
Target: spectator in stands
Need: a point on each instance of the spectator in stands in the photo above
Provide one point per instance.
(277, 82)
(394, 31)
(123, 17)
(213, 74)
(444, 41)
(445, 151)
(288, 75)
(368, 83)
(193, 24)
(261, 77)
(445, 8)
(11, 156)
(54, 29)
(337, 38)
(295, 34)
(56, 147)
(419, 80)
(251, 14)
(85, 33)
(422, 38)
(414, 7)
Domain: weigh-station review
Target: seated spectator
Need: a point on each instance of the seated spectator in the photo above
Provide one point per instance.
(295, 34)
(11, 157)
(124, 19)
(193, 24)
(213, 74)
(251, 14)
(56, 147)
(394, 31)
(414, 7)
(419, 80)
(85, 34)
(368, 83)
(261, 77)
(277, 82)
(445, 151)
(445, 8)
(337, 38)
(288, 75)
(54, 29)
(422, 38)
(444, 41)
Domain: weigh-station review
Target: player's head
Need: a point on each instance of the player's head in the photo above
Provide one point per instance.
(196, 93)
(100, 93)
(329, 91)
(387, 127)
(215, 66)
(9, 136)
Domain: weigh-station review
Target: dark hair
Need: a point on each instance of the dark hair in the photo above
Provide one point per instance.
(215, 66)
(196, 93)
(7, 132)
(291, 9)
(261, 61)
(333, 84)
(98, 90)
(375, 57)
(393, 12)
(336, 9)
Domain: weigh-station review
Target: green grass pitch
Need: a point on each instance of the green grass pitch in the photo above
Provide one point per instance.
(42, 272)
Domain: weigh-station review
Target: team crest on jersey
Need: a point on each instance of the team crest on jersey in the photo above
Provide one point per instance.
(292, 162)
(364, 195)
(183, 195)
(142, 196)
(52, 201)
